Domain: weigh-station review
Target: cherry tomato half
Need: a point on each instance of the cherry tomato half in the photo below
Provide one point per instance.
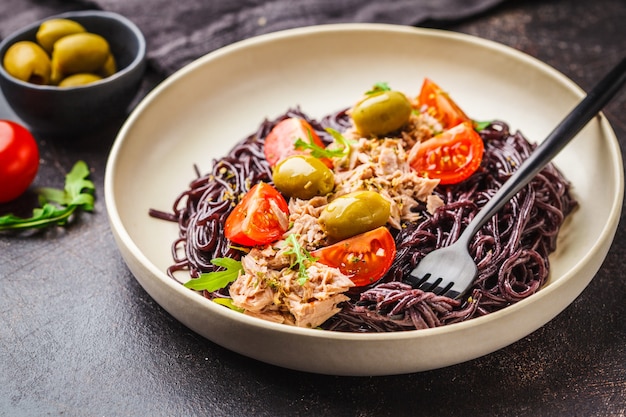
(365, 257)
(261, 217)
(451, 156)
(441, 106)
(280, 142)
(19, 160)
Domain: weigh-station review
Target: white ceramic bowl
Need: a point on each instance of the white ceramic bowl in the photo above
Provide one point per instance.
(201, 111)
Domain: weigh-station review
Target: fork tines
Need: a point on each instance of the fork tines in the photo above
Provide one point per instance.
(429, 284)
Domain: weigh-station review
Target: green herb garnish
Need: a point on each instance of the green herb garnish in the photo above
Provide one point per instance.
(378, 87)
(319, 152)
(57, 205)
(478, 126)
(228, 302)
(213, 281)
(303, 258)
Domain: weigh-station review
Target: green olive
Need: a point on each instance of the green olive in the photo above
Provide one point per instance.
(56, 76)
(76, 80)
(303, 176)
(354, 213)
(80, 52)
(52, 30)
(381, 112)
(109, 67)
(27, 61)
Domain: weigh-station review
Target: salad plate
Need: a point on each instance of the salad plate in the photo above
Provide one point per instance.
(199, 113)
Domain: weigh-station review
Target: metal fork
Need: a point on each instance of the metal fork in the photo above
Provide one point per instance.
(451, 270)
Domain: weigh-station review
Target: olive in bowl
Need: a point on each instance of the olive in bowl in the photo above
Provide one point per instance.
(77, 109)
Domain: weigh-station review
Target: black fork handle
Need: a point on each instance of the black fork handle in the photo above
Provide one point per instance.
(578, 118)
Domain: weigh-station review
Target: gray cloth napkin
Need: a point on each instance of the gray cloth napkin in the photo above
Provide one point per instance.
(179, 31)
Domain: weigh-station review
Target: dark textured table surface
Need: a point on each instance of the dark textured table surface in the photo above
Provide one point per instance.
(80, 337)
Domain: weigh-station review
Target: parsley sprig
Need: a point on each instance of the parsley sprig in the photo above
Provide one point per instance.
(302, 260)
(213, 281)
(57, 206)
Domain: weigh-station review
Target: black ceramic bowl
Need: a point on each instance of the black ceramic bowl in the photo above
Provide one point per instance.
(79, 110)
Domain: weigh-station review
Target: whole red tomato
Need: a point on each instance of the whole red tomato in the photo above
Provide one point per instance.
(19, 160)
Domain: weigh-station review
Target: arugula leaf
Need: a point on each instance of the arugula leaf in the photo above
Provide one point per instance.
(213, 281)
(57, 205)
(228, 302)
(319, 152)
(303, 257)
(343, 142)
(478, 126)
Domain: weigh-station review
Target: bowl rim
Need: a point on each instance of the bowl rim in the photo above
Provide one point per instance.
(134, 29)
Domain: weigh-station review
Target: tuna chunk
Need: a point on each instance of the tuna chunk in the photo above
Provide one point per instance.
(279, 295)
(381, 166)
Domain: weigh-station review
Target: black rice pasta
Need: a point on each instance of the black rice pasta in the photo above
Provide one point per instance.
(511, 250)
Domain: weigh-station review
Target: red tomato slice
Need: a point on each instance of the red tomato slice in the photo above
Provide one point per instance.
(365, 257)
(19, 160)
(280, 142)
(261, 217)
(441, 106)
(451, 156)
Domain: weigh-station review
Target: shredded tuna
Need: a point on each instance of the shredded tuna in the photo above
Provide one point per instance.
(270, 289)
(381, 165)
(303, 215)
(421, 127)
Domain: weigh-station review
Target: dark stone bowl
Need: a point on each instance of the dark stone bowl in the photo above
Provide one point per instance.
(80, 110)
